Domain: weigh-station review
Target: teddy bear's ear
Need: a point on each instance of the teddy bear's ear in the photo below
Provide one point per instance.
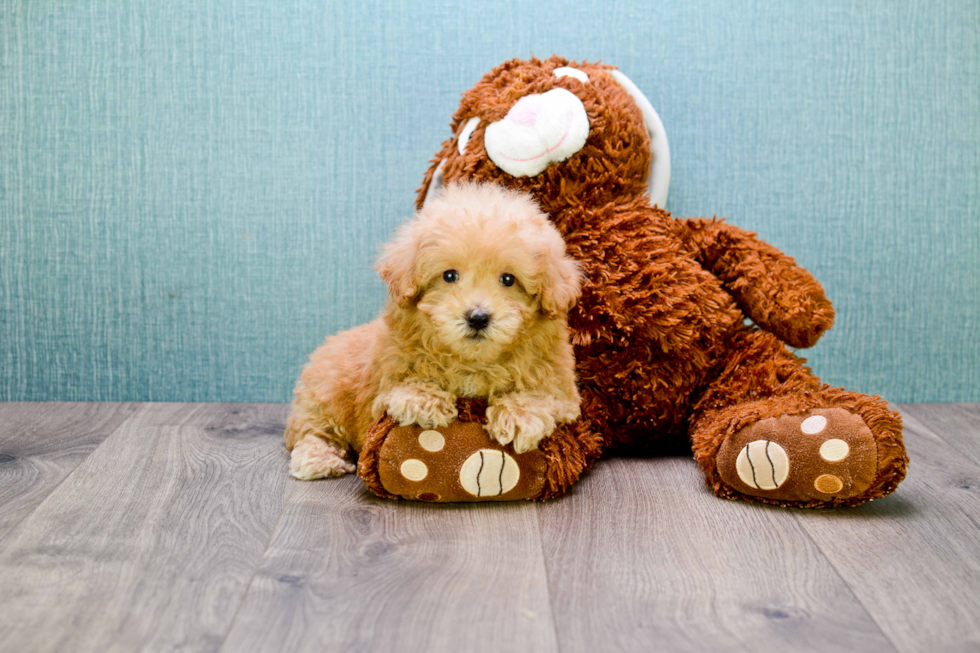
(433, 184)
(658, 179)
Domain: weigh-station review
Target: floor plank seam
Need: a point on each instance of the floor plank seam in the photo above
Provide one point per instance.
(258, 565)
(6, 537)
(884, 633)
(547, 578)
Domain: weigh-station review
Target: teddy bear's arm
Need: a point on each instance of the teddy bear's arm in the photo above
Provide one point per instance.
(779, 295)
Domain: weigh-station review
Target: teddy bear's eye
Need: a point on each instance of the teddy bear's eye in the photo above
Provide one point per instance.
(566, 71)
(507, 279)
(450, 276)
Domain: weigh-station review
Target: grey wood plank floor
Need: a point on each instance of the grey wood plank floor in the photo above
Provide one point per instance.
(152, 527)
(40, 445)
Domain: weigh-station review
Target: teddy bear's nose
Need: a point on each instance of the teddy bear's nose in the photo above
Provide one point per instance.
(477, 319)
(526, 111)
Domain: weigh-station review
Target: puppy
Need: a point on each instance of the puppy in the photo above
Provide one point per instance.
(479, 290)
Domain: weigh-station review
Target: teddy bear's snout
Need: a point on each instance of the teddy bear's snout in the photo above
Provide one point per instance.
(539, 130)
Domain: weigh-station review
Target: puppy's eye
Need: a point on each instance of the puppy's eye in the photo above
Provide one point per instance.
(450, 276)
(507, 279)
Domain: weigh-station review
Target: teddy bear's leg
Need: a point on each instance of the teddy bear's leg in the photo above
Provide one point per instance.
(768, 430)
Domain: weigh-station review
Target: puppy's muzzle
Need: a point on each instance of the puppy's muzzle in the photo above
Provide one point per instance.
(477, 319)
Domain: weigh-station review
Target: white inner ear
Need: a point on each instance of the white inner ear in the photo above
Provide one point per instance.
(464, 136)
(658, 180)
(566, 71)
(436, 184)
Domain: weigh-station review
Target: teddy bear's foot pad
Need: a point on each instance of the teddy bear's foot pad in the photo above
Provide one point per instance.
(823, 454)
(457, 463)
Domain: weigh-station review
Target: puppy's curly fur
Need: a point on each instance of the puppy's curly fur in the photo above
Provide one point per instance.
(476, 249)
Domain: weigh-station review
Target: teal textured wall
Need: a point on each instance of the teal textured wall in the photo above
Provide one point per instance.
(192, 191)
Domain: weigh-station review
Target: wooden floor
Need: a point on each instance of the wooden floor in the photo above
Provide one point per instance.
(158, 527)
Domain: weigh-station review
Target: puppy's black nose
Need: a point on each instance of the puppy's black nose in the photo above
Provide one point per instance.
(477, 319)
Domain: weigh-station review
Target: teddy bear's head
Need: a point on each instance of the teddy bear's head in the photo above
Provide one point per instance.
(560, 130)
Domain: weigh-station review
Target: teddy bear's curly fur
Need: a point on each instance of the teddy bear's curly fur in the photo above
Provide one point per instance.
(663, 348)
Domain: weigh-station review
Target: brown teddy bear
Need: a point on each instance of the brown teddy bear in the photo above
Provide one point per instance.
(663, 349)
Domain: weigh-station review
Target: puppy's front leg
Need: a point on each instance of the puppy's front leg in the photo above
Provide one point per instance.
(526, 418)
(314, 458)
(414, 401)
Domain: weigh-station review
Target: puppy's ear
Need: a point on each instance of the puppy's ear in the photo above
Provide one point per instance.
(561, 279)
(398, 267)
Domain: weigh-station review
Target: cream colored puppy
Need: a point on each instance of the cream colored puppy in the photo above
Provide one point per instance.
(479, 289)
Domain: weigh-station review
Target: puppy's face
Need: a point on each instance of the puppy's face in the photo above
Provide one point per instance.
(477, 307)
(482, 266)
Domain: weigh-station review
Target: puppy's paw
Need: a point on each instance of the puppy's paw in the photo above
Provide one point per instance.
(314, 458)
(423, 404)
(522, 419)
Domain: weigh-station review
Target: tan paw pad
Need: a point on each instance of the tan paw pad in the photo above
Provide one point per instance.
(834, 450)
(414, 470)
(814, 424)
(489, 473)
(762, 465)
(432, 441)
(828, 484)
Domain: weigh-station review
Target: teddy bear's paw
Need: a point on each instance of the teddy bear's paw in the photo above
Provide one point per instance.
(458, 463)
(430, 408)
(521, 422)
(314, 458)
(821, 455)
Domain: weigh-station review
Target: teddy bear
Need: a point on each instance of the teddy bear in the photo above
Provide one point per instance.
(683, 330)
